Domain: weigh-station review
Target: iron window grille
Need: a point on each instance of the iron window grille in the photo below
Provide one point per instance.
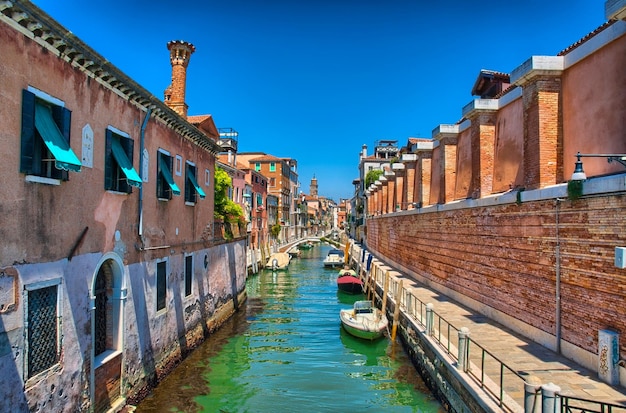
(43, 329)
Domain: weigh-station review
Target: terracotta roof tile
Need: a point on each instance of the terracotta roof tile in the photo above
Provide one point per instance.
(586, 38)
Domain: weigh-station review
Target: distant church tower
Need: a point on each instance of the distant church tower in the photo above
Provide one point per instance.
(180, 53)
(313, 189)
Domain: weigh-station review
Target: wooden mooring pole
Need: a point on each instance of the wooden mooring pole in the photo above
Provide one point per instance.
(396, 312)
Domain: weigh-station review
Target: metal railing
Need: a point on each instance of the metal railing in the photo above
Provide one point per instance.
(577, 405)
(503, 383)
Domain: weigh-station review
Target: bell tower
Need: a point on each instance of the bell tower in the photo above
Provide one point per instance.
(313, 189)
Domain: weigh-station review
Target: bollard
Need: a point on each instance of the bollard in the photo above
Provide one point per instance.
(550, 400)
(430, 320)
(532, 387)
(463, 349)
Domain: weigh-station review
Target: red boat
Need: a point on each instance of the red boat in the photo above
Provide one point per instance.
(348, 282)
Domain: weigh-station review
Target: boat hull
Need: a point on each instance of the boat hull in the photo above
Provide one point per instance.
(278, 261)
(350, 286)
(367, 327)
(348, 282)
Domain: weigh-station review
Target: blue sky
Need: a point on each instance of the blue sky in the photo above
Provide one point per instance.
(314, 80)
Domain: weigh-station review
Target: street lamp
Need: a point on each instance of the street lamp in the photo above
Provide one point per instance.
(579, 173)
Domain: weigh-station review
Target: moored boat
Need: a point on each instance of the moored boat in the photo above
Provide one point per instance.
(278, 261)
(348, 282)
(335, 258)
(364, 320)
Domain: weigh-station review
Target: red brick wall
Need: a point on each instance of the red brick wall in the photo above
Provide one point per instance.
(505, 257)
(108, 380)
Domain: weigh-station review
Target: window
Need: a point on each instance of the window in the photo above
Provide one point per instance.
(272, 166)
(207, 177)
(165, 182)
(257, 166)
(188, 274)
(192, 189)
(43, 329)
(272, 181)
(259, 200)
(119, 174)
(45, 141)
(161, 284)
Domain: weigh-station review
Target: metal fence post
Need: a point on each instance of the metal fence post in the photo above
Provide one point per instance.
(550, 400)
(464, 349)
(430, 320)
(532, 387)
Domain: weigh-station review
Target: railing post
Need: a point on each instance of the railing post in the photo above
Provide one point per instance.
(464, 349)
(550, 400)
(430, 320)
(532, 385)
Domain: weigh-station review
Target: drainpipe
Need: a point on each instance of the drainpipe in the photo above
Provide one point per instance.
(557, 314)
(141, 147)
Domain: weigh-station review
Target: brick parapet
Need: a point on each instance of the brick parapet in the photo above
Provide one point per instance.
(482, 138)
(543, 136)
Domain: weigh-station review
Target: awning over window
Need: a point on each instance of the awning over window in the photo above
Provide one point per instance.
(168, 178)
(55, 141)
(124, 163)
(199, 190)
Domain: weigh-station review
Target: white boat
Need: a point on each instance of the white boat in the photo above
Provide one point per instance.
(364, 320)
(335, 258)
(278, 261)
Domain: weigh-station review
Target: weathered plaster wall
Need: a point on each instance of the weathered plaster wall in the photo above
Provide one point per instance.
(594, 108)
(153, 342)
(508, 170)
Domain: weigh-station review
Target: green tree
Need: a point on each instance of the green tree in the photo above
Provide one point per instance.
(372, 176)
(225, 209)
(275, 230)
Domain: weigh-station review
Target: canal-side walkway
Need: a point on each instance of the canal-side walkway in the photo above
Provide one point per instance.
(536, 363)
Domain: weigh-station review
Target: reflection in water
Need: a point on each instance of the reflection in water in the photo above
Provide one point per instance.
(285, 351)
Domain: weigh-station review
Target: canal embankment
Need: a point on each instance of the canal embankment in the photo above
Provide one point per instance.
(472, 363)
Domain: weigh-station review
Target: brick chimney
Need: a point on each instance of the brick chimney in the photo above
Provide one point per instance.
(180, 53)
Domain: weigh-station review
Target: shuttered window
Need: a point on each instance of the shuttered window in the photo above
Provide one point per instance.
(45, 139)
(165, 181)
(119, 174)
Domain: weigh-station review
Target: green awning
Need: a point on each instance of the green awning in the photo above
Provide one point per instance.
(168, 178)
(63, 155)
(199, 190)
(124, 163)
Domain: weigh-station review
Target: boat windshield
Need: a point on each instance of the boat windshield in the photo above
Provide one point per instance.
(363, 307)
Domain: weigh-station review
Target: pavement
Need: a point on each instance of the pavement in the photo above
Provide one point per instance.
(534, 362)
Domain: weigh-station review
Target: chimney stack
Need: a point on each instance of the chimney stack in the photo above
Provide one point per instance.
(180, 53)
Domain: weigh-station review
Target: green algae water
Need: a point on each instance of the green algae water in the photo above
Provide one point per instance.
(285, 351)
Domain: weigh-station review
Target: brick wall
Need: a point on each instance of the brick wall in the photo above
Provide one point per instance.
(505, 257)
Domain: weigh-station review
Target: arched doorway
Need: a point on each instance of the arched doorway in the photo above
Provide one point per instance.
(108, 293)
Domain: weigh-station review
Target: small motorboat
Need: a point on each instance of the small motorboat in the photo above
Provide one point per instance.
(364, 320)
(278, 261)
(335, 258)
(305, 246)
(348, 282)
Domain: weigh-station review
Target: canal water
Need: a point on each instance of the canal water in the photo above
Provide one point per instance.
(285, 351)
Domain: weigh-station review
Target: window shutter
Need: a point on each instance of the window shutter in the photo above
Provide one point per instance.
(28, 132)
(108, 160)
(159, 178)
(188, 186)
(63, 118)
(127, 145)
